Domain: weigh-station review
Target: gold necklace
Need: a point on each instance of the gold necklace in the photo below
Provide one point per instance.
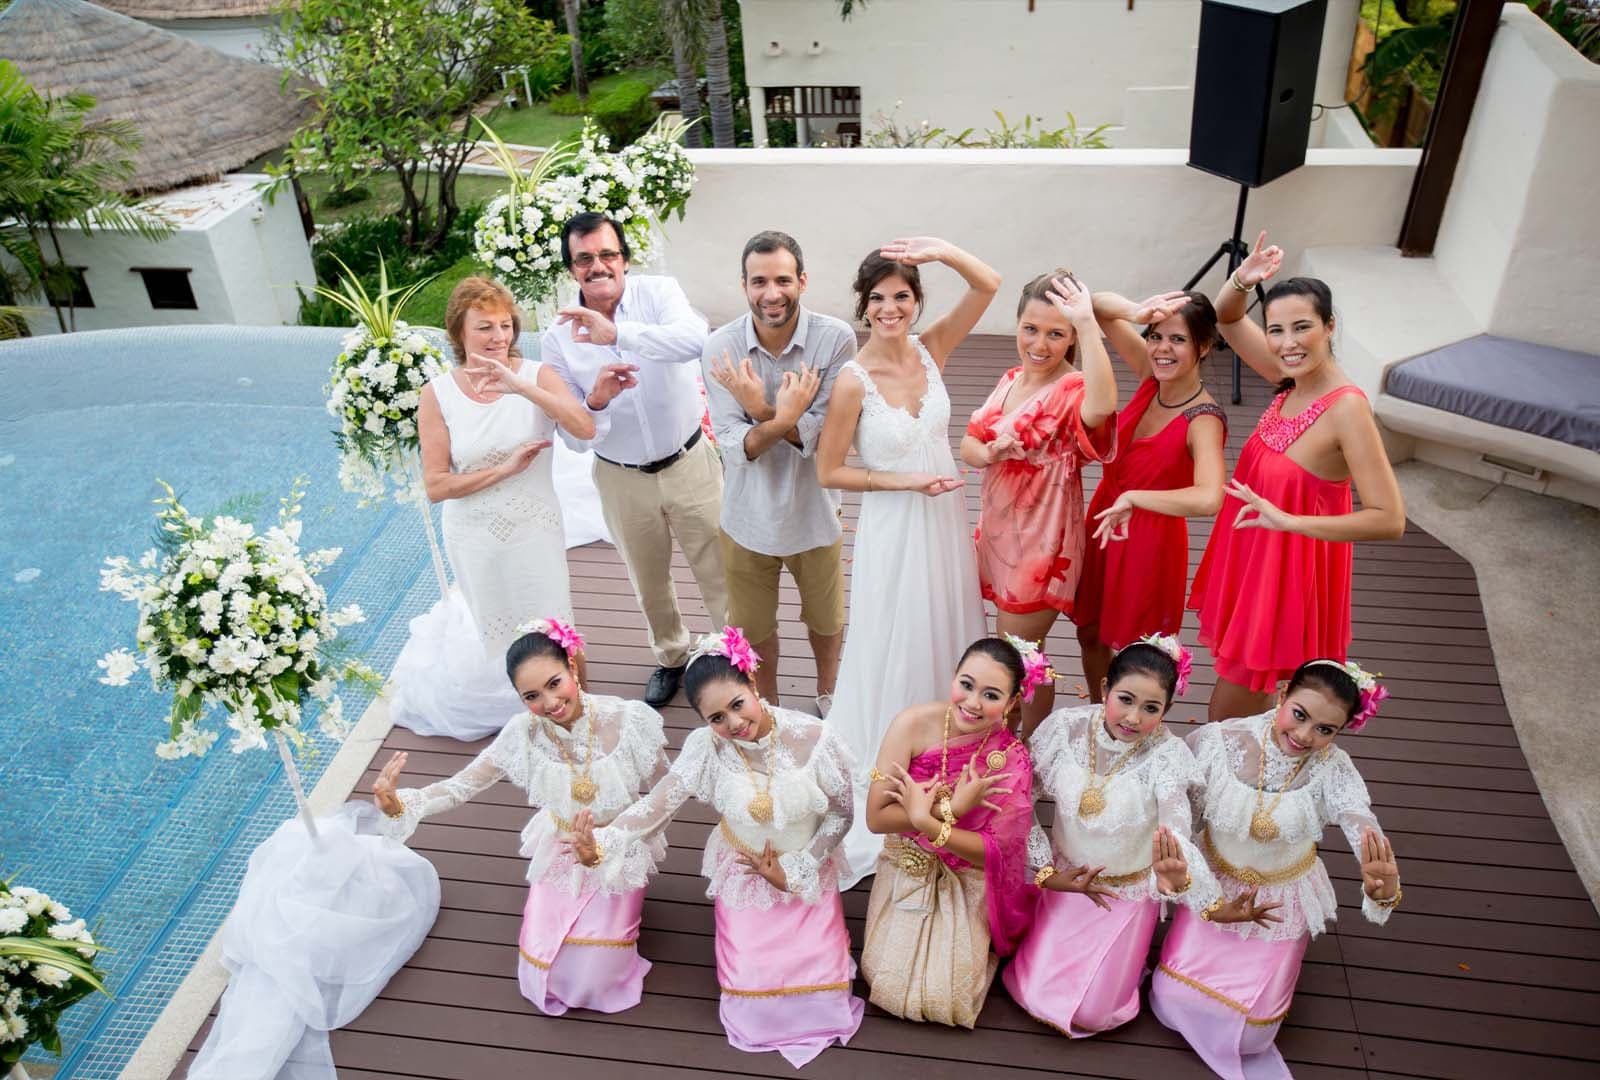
(1262, 825)
(584, 789)
(1093, 800)
(994, 760)
(760, 804)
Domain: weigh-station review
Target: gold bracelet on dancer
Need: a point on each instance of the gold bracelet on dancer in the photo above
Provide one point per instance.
(944, 834)
(1251, 876)
(1393, 901)
(874, 775)
(1044, 874)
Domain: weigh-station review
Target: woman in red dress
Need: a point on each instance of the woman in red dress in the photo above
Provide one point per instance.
(1273, 589)
(1031, 437)
(1168, 467)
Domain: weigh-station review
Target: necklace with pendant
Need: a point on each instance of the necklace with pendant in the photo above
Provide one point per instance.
(584, 789)
(993, 761)
(760, 804)
(1263, 826)
(1093, 800)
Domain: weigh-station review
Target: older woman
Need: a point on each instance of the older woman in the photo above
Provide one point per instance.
(484, 427)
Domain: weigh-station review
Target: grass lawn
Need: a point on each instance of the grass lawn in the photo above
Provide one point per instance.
(384, 197)
(540, 125)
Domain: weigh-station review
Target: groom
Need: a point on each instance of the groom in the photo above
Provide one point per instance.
(768, 375)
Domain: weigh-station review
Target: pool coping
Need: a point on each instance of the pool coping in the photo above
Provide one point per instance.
(162, 1049)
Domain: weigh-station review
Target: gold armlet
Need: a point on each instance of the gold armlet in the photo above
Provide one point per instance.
(944, 835)
(874, 775)
(1045, 874)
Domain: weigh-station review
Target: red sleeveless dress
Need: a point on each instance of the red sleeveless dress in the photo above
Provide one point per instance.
(1135, 586)
(1270, 600)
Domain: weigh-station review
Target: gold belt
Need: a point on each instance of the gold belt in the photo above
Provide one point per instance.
(739, 845)
(910, 858)
(1116, 881)
(1251, 876)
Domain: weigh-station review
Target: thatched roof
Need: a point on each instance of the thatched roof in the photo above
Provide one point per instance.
(189, 9)
(201, 113)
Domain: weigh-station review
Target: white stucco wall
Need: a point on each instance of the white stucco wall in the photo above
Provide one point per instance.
(1132, 220)
(242, 37)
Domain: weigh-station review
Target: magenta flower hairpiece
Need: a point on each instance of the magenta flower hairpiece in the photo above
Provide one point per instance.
(1181, 658)
(731, 643)
(1036, 669)
(1372, 693)
(564, 634)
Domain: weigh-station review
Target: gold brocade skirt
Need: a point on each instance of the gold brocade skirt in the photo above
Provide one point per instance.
(926, 950)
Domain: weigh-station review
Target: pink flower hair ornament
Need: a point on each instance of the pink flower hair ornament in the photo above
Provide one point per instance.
(731, 643)
(1036, 669)
(563, 634)
(1372, 693)
(1181, 657)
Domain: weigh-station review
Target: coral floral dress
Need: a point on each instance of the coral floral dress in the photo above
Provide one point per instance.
(1030, 536)
(1271, 600)
(1135, 586)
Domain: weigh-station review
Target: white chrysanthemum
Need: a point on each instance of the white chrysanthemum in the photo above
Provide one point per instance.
(12, 920)
(118, 665)
(50, 975)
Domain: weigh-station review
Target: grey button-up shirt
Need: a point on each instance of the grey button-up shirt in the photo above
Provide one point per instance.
(774, 505)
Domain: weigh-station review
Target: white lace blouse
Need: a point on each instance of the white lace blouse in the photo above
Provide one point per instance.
(544, 760)
(1150, 789)
(812, 806)
(1327, 791)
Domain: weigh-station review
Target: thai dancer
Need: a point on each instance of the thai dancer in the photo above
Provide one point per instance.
(1169, 466)
(781, 781)
(1122, 844)
(1273, 589)
(1042, 422)
(578, 756)
(953, 791)
(1272, 784)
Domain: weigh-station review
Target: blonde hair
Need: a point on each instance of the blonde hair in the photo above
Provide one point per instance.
(483, 293)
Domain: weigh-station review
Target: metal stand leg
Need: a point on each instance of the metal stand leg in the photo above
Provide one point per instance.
(1236, 251)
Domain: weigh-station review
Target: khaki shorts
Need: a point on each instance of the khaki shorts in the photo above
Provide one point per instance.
(753, 588)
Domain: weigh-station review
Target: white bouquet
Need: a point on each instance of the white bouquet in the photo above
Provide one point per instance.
(662, 168)
(46, 966)
(232, 617)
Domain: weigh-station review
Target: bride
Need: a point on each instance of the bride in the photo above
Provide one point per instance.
(914, 592)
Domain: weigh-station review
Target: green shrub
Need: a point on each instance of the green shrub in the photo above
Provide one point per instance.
(427, 306)
(550, 74)
(566, 104)
(633, 30)
(358, 243)
(625, 112)
(340, 197)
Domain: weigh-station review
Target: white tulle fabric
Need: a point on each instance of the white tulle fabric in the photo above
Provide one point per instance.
(1328, 791)
(630, 753)
(320, 927)
(445, 682)
(1150, 790)
(812, 806)
(581, 517)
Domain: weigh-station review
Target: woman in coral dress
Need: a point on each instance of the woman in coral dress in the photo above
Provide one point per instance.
(1273, 589)
(1031, 438)
(1169, 467)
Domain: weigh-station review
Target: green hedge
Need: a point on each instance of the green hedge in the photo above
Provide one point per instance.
(625, 112)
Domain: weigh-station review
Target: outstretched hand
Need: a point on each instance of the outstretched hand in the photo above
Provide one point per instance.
(1257, 512)
(1113, 521)
(588, 325)
(915, 250)
(766, 865)
(1081, 879)
(1167, 861)
(383, 788)
(1073, 299)
(1380, 874)
(581, 841)
(1243, 908)
(1260, 264)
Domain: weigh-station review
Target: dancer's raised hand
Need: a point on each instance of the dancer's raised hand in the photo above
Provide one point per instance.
(1167, 861)
(1073, 299)
(490, 376)
(915, 250)
(581, 841)
(1152, 310)
(1257, 511)
(1262, 262)
(973, 790)
(766, 865)
(1113, 521)
(383, 788)
(1081, 879)
(1380, 874)
(1243, 908)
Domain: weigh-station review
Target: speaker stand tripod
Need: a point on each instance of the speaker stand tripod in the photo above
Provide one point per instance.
(1236, 251)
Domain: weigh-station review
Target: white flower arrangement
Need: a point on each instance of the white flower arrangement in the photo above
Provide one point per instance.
(232, 617)
(46, 966)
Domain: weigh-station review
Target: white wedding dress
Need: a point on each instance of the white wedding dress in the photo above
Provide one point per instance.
(914, 597)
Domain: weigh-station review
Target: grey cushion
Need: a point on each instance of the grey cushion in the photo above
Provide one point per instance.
(1534, 388)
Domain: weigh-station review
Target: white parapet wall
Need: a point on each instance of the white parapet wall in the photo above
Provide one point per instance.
(1131, 220)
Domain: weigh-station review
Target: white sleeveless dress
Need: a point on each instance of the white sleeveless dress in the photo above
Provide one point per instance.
(507, 553)
(914, 597)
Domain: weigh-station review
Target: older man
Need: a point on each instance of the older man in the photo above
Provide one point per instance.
(658, 479)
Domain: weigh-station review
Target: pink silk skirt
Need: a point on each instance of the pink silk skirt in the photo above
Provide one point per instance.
(785, 975)
(1227, 995)
(1079, 968)
(581, 952)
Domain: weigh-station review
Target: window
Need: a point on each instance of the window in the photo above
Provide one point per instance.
(66, 287)
(168, 288)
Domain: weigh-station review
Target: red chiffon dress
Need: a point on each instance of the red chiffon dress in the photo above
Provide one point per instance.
(1030, 535)
(1135, 586)
(1271, 600)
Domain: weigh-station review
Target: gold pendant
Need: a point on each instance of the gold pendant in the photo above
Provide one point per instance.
(1263, 827)
(760, 808)
(584, 790)
(996, 760)
(1091, 803)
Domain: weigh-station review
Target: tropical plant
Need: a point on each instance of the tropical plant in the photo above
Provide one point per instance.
(1407, 57)
(46, 966)
(887, 130)
(580, 77)
(634, 32)
(698, 30)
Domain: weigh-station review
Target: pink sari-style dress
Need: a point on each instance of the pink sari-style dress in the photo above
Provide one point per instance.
(1080, 966)
(783, 958)
(1227, 988)
(1030, 535)
(936, 924)
(577, 948)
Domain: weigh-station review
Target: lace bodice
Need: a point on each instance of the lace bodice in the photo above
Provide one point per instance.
(1327, 791)
(812, 806)
(1149, 789)
(482, 435)
(890, 439)
(629, 753)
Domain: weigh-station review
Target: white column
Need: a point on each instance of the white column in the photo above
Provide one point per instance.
(802, 132)
(758, 115)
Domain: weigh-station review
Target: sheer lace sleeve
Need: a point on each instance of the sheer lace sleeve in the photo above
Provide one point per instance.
(1349, 806)
(626, 861)
(1040, 852)
(832, 766)
(493, 764)
(1175, 774)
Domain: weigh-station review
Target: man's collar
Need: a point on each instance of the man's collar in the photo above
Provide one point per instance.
(796, 341)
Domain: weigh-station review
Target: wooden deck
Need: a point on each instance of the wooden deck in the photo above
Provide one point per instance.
(1490, 968)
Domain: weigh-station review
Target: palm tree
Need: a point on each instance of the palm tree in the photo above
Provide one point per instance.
(719, 80)
(580, 77)
(680, 19)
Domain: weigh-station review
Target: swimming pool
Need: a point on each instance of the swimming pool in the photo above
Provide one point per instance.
(154, 850)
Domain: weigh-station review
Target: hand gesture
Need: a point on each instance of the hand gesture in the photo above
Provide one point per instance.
(1073, 300)
(588, 325)
(973, 790)
(914, 798)
(796, 391)
(1160, 306)
(931, 484)
(1257, 512)
(581, 843)
(612, 380)
(1003, 447)
(383, 793)
(766, 864)
(1166, 859)
(1243, 908)
(523, 456)
(1380, 874)
(1113, 521)
(742, 382)
(493, 377)
(1260, 264)
(1082, 880)
(915, 250)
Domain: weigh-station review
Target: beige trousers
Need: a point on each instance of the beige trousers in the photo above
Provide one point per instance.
(644, 512)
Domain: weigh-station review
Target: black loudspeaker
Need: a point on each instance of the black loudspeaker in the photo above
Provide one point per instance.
(1253, 83)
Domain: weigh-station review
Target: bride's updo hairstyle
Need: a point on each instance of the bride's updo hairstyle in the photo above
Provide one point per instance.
(875, 268)
(1001, 652)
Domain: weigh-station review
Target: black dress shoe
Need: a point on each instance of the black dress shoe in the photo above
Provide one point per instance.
(663, 685)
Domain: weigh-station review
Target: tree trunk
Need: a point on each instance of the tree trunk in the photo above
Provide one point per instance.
(718, 77)
(688, 91)
(66, 275)
(44, 279)
(580, 78)
(410, 211)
